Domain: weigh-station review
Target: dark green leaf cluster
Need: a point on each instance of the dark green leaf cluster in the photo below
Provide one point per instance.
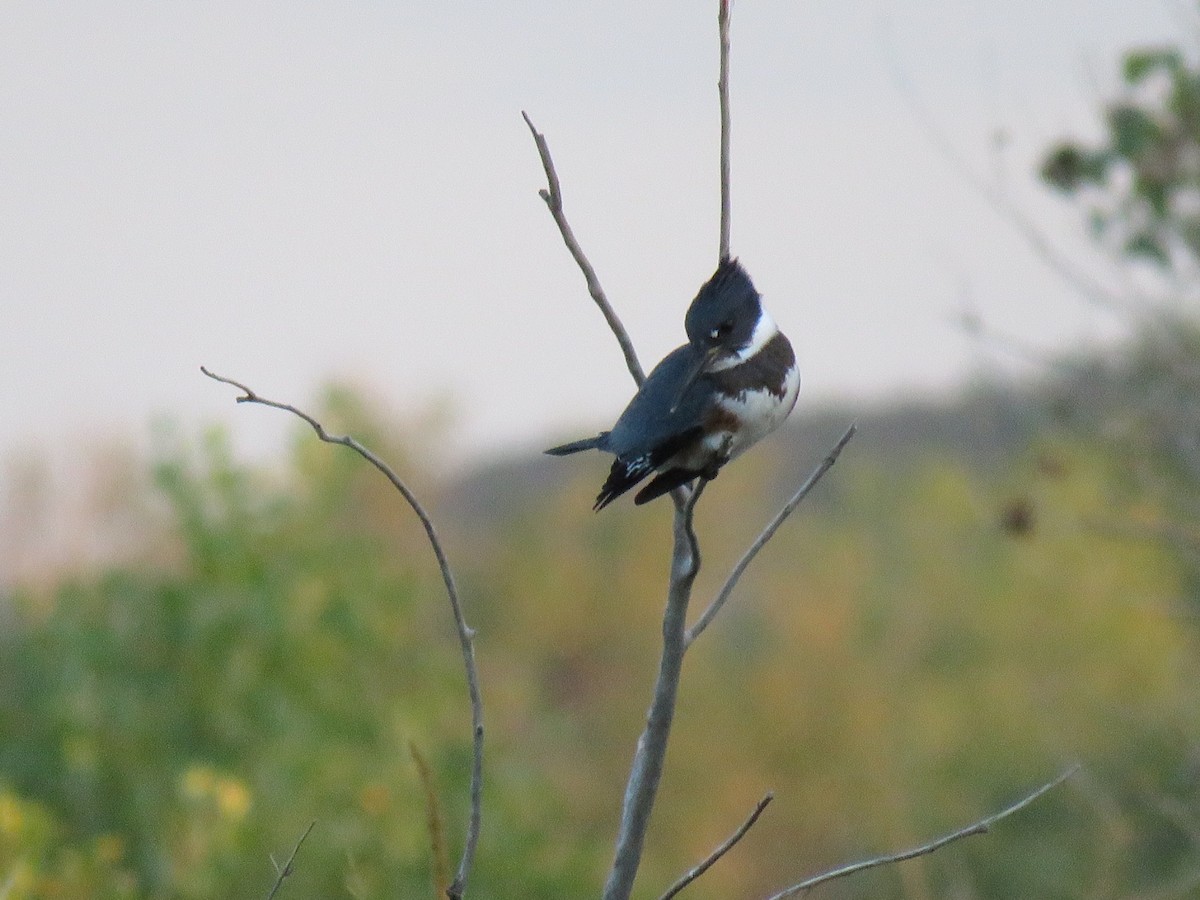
(1144, 177)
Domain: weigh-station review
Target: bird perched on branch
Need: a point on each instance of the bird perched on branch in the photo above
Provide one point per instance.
(730, 385)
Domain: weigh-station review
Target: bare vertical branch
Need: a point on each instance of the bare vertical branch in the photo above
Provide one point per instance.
(761, 541)
(466, 635)
(725, 847)
(646, 771)
(552, 194)
(723, 96)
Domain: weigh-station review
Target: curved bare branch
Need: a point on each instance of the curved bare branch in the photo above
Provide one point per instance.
(465, 634)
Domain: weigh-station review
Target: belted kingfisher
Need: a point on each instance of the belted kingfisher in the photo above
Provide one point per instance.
(730, 385)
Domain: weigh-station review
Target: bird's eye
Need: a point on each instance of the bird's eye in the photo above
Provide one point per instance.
(721, 331)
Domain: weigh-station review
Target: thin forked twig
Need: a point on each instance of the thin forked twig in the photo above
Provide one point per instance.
(761, 541)
(723, 97)
(704, 866)
(282, 872)
(980, 827)
(552, 194)
(465, 633)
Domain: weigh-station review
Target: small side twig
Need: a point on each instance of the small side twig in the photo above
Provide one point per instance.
(761, 541)
(725, 847)
(466, 635)
(282, 872)
(552, 194)
(980, 827)
(723, 99)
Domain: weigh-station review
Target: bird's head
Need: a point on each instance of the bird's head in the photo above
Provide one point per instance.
(722, 318)
(721, 321)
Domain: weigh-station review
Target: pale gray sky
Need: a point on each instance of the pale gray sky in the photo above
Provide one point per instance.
(292, 192)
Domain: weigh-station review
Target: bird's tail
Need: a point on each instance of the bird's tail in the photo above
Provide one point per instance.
(592, 443)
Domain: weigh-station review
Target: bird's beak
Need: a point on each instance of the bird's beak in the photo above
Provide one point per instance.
(701, 365)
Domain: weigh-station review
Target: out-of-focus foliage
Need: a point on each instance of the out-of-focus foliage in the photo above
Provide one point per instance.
(1141, 185)
(174, 728)
(1139, 408)
(1143, 179)
(900, 663)
(908, 655)
(38, 860)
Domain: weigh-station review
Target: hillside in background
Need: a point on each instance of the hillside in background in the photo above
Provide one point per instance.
(984, 428)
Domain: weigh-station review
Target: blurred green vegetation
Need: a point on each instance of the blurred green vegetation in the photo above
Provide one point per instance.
(168, 730)
(931, 637)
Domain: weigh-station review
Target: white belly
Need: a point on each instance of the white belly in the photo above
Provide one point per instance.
(760, 413)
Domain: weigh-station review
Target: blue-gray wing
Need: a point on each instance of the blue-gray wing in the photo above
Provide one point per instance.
(648, 425)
